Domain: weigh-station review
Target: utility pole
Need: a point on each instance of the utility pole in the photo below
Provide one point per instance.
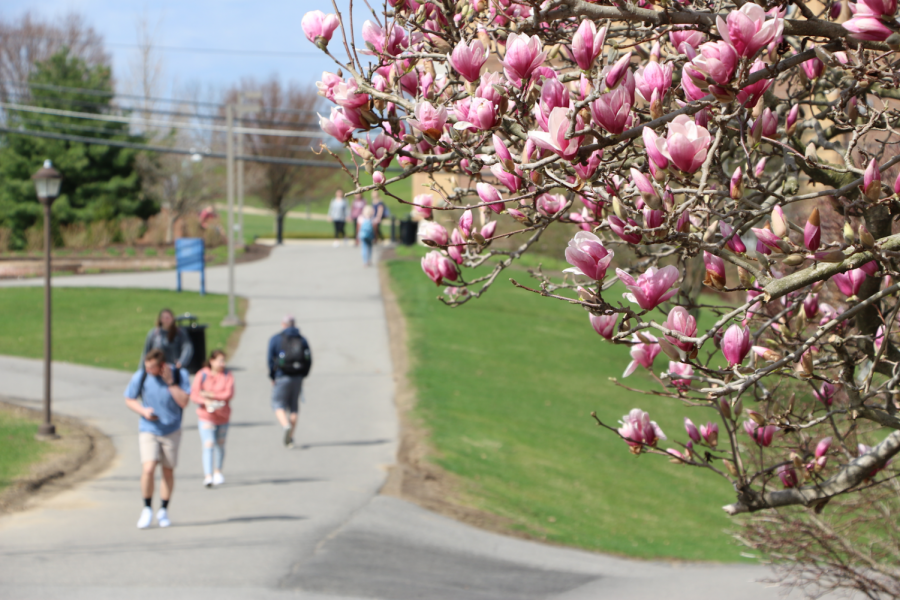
(249, 104)
(232, 318)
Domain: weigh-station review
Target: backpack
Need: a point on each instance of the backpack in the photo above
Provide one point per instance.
(176, 379)
(367, 230)
(295, 357)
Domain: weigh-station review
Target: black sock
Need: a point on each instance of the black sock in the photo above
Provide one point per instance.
(165, 504)
(147, 502)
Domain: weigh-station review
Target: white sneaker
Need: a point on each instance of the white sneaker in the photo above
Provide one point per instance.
(208, 481)
(336, 243)
(218, 479)
(162, 518)
(146, 518)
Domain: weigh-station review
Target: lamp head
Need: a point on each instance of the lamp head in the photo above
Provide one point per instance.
(47, 182)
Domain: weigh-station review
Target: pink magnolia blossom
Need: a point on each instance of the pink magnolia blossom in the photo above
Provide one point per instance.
(653, 153)
(319, 27)
(489, 194)
(378, 177)
(438, 267)
(760, 168)
(587, 44)
(653, 218)
(467, 59)
(550, 204)
(645, 188)
(736, 344)
(653, 77)
(811, 305)
(638, 430)
(326, 86)
(642, 353)
(762, 435)
(734, 241)
(553, 94)
(605, 325)
(870, 268)
(750, 95)
(475, 114)
(715, 270)
(586, 169)
(379, 41)
(651, 288)
(588, 256)
(850, 282)
(678, 372)
(488, 231)
(867, 27)
(554, 139)
(685, 145)
(812, 233)
(747, 29)
(692, 91)
(880, 8)
(338, 126)
(872, 181)
(456, 246)
(692, 430)
(787, 475)
(512, 181)
(422, 206)
(813, 67)
(768, 240)
(710, 433)
(680, 320)
(823, 447)
(765, 126)
(524, 54)
(717, 60)
(690, 37)
(618, 227)
(612, 111)
(434, 233)
(383, 148)
(429, 120)
(465, 224)
(345, 95)
(620, 74)
(790, 122)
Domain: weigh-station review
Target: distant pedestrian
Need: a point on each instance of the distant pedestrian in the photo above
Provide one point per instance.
(367, 230)
(381, 213)
(337, 214)
(158, 392)
(359, 203)
(207, 216)
(171, 339)
(213, 389)
(290, 360)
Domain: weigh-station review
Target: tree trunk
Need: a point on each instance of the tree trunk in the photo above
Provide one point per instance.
(170, 228)
(279, 228)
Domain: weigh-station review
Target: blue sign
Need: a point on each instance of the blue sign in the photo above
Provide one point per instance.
(190, 256)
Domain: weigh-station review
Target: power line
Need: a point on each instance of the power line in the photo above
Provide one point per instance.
(181, 48)
(90, 92)
(158, 123)
(294, 162)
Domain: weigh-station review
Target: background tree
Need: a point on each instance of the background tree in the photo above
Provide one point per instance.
(101, 182)
(668, 134)
(282, 187)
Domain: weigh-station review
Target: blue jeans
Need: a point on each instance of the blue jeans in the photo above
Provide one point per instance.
(213, 438)
(366, 246)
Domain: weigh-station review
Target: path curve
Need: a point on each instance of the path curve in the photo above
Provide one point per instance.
(307, 523)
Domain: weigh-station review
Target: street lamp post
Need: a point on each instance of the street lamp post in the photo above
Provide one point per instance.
(47, 182)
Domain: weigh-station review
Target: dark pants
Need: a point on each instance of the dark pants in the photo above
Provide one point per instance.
(378, 235)
(339, 229)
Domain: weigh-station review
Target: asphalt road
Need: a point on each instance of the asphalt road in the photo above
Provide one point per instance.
(305, 523)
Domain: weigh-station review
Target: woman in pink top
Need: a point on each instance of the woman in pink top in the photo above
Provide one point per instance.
(212, 389)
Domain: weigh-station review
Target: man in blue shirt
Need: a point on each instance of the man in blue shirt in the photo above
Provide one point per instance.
(158, 393)
(289, 361)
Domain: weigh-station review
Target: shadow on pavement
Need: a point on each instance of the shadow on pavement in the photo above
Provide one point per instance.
(348, 443)
(256, 519)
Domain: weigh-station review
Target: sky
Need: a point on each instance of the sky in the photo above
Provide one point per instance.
(260, 25)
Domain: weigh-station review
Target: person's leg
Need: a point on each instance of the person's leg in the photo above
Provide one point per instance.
(219, 449)
(339, 225)
(279, 405)
(282, 418)
(294, 407)
(207, 438)
(148, 472)
(367, 252)
(167, 485)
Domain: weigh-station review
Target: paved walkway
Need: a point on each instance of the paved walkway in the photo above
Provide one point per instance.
(307, 523)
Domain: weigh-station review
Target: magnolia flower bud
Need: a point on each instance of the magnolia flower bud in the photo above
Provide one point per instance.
(866, 238)
(725, 408)
(810, 153)
(849, 234)
(744, 277)
(737, 408)
(617, 208)
(779, 222)
(737, 184)
(730, 466)
(793, 260)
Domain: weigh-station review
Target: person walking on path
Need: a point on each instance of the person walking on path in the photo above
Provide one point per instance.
(212, 390)
(290, 360)
(337, 214)
(171, 339)
(380, 214)
(158, 393)
(366, 227)
(359, 203)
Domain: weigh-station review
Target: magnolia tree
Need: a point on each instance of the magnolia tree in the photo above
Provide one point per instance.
(756, 137)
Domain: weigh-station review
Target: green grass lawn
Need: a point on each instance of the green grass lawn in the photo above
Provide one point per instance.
(264, 226)
(506, 385)
(18, 448)
(100, 327)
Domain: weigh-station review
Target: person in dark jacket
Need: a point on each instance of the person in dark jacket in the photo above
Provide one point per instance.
(286, 387)
(171, 339)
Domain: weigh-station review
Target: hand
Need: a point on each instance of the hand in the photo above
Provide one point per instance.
(167, 374)
(209, 407)
(149, 414)
(273, 382)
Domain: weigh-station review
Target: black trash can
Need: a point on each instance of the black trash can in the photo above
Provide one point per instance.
(408, 230)
(197, 334)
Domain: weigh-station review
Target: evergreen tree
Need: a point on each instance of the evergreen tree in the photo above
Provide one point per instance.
(101, 182)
